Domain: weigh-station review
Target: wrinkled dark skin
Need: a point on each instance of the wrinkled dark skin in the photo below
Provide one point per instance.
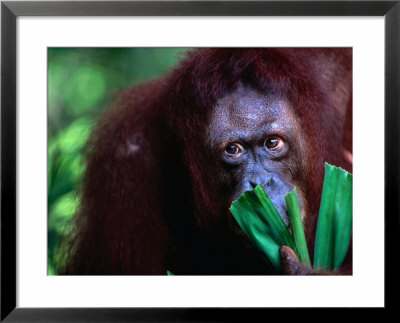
(245, 121)
(239, 128)
(291, 264)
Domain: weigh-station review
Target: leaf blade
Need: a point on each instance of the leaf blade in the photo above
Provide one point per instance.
(343, 219)
(296, 224)
(323, 252)
(335, 219)
(261, 222)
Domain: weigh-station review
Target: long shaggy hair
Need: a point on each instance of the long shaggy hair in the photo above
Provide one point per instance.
(149, 198)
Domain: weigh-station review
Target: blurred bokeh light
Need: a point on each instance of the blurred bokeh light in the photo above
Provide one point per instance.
(81, 84)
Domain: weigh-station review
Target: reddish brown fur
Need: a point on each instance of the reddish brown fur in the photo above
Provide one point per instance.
(150, 202)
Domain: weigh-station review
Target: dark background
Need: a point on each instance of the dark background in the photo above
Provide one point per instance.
(81, 84)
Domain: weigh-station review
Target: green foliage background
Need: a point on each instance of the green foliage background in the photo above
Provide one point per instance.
(82, 83)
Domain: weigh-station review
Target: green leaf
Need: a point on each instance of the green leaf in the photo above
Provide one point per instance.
(296, 224)
(169, 273)
(262, 223)
(343, 218)
(334, 221)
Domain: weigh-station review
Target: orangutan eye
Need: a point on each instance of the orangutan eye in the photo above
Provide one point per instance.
(233, 150)
(273, 144)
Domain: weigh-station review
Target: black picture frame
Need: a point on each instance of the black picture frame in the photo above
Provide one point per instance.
(10, 10)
